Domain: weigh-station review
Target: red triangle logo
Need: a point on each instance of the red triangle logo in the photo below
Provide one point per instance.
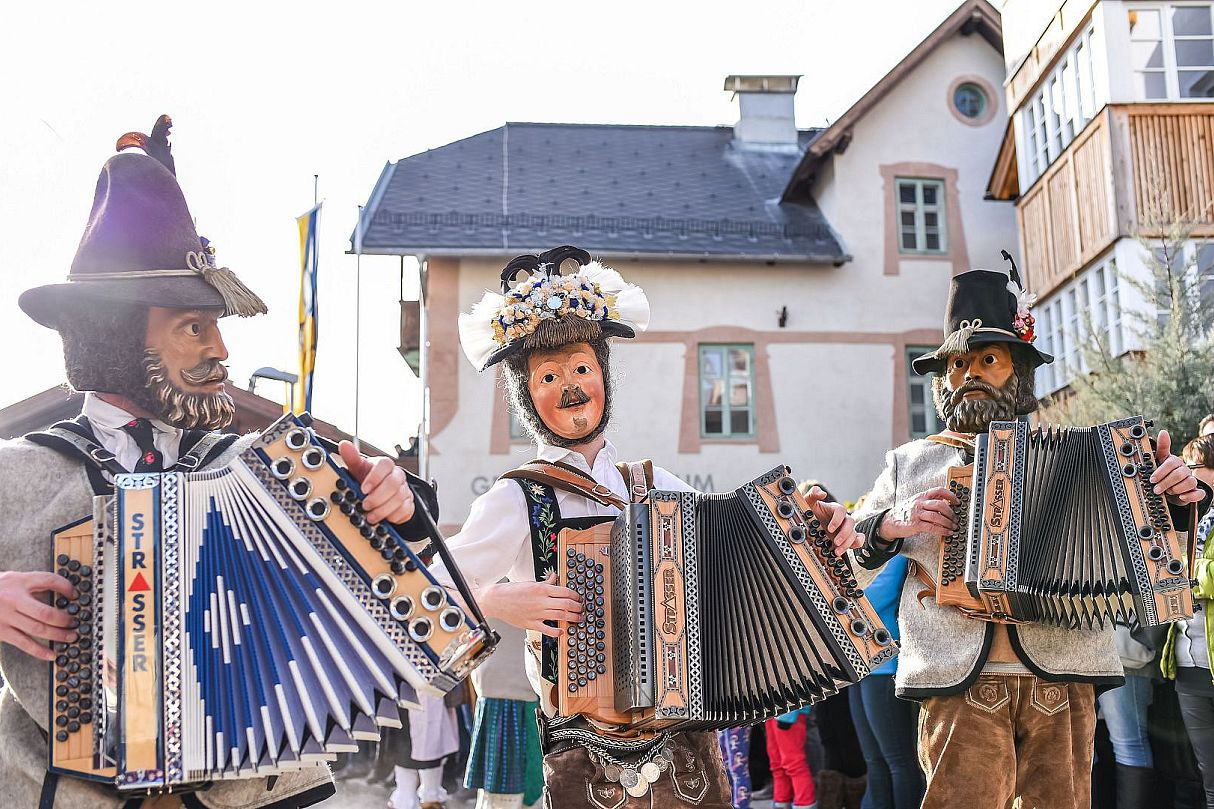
(139, 584)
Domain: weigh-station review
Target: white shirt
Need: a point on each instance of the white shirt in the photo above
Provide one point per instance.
(495, 542)
(107, 422)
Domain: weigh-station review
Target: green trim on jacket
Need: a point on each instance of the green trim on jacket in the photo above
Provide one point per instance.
(1204, 589)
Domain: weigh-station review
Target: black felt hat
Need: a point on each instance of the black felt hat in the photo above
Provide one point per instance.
(140, 246)
(983, 307)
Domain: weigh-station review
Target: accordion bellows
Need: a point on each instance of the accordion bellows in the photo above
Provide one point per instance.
(243, 621)
(1062, 526)
(711, 611)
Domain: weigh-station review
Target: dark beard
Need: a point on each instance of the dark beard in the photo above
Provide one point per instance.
(179, 408)
(973, 416)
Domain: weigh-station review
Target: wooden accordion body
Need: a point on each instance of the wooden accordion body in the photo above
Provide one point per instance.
(243, 621)
(711, 611)
(1062, 526)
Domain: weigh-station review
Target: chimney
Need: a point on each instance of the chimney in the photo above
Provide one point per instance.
(766, 120)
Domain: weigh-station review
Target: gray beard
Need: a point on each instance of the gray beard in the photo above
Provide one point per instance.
(179, 408)
(973, 416)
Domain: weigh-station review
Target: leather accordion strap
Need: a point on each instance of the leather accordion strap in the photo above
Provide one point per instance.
(919, 572)
(566, 478)
(639, 477)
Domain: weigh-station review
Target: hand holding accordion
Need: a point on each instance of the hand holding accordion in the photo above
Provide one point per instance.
(244, 620)
(711, 611)
(1064, 526)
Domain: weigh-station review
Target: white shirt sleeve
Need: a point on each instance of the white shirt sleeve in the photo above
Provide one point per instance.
(494, 542)
(667, 482)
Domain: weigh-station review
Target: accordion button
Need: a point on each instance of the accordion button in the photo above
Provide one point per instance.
(61, 661)
(85, 600)
(73, 609)
(73, 565)
(73, 696)
(84, 586)
(591, 676)
(410, 565)
(61, 603)
(602, 669)
(86, 703)
(73, 682)
(358, 520)
(398, 553)
(73, 713)
(74, 651)
(337, 498)
(376, 544)
(86, 718)
(341, 484)
(61, 736)
(386, 553)
(61, 705)
(570, 552)
(85, 628)
(61, 720)
(73, 726)
(367, 532)
(62, 559)
(572, 687)
(581, 681)
(85, 615)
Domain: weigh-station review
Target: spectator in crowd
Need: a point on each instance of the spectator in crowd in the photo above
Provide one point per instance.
(1187, 652)
(885, 724)
(505, 765)
(1206, 426)
(793, 785)
(1124, 711)
(735, 752)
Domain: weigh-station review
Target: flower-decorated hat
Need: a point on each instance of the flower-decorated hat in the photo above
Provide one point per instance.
(549, 308)
(985, 307)
(140, 245)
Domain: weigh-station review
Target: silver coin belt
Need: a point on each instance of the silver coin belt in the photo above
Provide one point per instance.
(636, 776)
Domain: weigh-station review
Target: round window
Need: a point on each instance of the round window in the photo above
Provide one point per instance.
(970, 100)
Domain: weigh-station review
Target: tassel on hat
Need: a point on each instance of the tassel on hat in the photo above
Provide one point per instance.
(238, 299)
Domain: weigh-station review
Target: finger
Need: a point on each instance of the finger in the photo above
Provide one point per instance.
(838, 514)
(848, 540)
(1166, 468)
(1175, 480)
(544, 629)
(934, 524)
(1163, 445)
(31, 647)
(814, 496)
(40, 582)
(559, 592)
(40, 631)
(561, 615)
(938, 507)
(377, 473)
(353, 459)
(403, 512)
(45, 613)
(1195, 496)
(940, 493)
(551, 579)
(559, 603)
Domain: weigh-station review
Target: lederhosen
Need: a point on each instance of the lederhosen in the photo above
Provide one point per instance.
(198, 448)
(582, 766)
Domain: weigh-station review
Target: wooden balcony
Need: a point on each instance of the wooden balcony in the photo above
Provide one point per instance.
(1132, 171)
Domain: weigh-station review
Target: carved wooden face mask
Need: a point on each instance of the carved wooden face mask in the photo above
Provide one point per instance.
(184, 365)
(567, 389)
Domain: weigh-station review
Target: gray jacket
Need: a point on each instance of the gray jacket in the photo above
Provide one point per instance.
(943, 651)
(44, 490)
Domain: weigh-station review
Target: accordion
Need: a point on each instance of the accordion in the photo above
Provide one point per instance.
(243, 621)
(1062, 526)
(711, 611)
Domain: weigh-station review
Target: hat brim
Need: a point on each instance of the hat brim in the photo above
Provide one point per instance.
(611, 328)
(934, 363)
(49, 304)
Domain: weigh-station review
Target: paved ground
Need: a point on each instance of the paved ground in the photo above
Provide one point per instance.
(356, 793)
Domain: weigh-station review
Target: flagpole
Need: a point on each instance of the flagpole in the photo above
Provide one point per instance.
(358, 256)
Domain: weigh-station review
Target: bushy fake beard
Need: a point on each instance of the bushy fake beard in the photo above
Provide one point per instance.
(973, 416)
(180, 408)
(521, 403)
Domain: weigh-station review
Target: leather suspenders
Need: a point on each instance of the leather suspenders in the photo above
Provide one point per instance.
(638, 476)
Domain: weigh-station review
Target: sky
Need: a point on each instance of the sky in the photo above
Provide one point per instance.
(266, 95)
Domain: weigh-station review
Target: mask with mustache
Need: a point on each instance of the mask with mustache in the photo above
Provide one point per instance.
(181, 408)
(1016, 397)
(556, 427)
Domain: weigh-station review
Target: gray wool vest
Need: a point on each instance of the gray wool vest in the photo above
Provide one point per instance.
(942, 650)
(43, 490)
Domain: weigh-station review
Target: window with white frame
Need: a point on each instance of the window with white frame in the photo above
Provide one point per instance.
(921, 216)
(924, 420)
(1059, 110)
(1172, 50)
(1090, 307)
(727, 391)
(1194, 257)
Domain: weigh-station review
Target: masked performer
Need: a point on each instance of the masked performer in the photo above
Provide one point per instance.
(1006, 710)
(139, 317)
(550, 331)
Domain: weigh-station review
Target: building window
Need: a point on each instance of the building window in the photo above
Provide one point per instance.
(1066, 325)
(921, 216)
(970, 100)
(1172, 51)
(924, 420)
(727, 391)
(1060, 109)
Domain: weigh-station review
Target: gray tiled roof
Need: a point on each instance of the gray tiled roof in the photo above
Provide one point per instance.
(614, 190)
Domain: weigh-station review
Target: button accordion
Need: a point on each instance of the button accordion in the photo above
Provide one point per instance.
(243, 621)
(1061, 525)
(711, 611)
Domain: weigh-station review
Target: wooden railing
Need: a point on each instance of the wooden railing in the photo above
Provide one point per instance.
(1132, 171)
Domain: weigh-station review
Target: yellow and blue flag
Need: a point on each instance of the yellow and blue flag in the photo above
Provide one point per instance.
(308, 316)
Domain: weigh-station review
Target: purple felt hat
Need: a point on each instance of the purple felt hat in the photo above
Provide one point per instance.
(140, 246)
